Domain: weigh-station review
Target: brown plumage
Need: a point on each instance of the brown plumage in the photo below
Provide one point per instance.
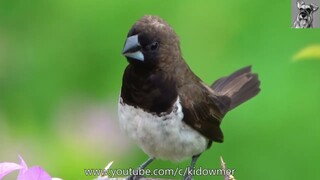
(157, 78)
(154, 83)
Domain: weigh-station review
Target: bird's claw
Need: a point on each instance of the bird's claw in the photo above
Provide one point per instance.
(134, 177)
(188, 177)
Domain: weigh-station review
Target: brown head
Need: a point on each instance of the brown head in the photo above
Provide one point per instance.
(151, 43)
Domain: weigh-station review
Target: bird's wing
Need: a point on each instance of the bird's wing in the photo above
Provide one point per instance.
(235, 89)
(201, 111)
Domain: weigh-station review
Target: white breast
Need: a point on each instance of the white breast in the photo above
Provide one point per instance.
(164, 137)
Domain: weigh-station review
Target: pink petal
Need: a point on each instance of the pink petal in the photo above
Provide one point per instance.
(22, 162)
(24, 165)
(35, 173)
(7, 167)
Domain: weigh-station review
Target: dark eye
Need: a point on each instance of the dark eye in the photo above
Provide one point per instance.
(154, 46)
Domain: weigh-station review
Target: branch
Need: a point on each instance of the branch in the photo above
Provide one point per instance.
(226, 176)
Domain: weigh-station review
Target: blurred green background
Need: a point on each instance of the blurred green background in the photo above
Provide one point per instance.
(61, 70)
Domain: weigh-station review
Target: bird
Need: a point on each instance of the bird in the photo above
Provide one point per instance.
(167, 110)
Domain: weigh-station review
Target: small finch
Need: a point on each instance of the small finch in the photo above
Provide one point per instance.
(164, 107)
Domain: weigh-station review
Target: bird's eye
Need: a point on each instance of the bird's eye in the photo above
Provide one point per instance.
(154, 46)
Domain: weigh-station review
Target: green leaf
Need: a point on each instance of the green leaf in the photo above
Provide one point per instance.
(309, 52)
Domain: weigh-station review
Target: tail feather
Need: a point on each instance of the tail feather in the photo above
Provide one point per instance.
(237, 88)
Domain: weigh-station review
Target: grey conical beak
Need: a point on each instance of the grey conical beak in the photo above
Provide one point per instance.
(132, 48)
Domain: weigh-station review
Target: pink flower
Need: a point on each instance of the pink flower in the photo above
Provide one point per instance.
(33, 173)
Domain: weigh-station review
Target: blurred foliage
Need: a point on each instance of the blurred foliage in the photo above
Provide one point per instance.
(310, 52)
(61, 69)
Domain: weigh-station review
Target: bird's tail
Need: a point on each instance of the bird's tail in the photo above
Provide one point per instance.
(237, 88)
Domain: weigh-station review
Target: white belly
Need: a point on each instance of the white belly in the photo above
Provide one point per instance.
(165, 137)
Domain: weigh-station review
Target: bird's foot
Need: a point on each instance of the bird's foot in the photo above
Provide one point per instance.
(188, 174)
(188, 177)
(134, 177)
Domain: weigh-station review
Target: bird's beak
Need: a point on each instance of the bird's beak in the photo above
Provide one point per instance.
(132, 48)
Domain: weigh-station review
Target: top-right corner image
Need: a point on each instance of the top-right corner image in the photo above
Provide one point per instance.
(305, 14)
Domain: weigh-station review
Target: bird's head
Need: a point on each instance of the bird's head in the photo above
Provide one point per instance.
(151, 42)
